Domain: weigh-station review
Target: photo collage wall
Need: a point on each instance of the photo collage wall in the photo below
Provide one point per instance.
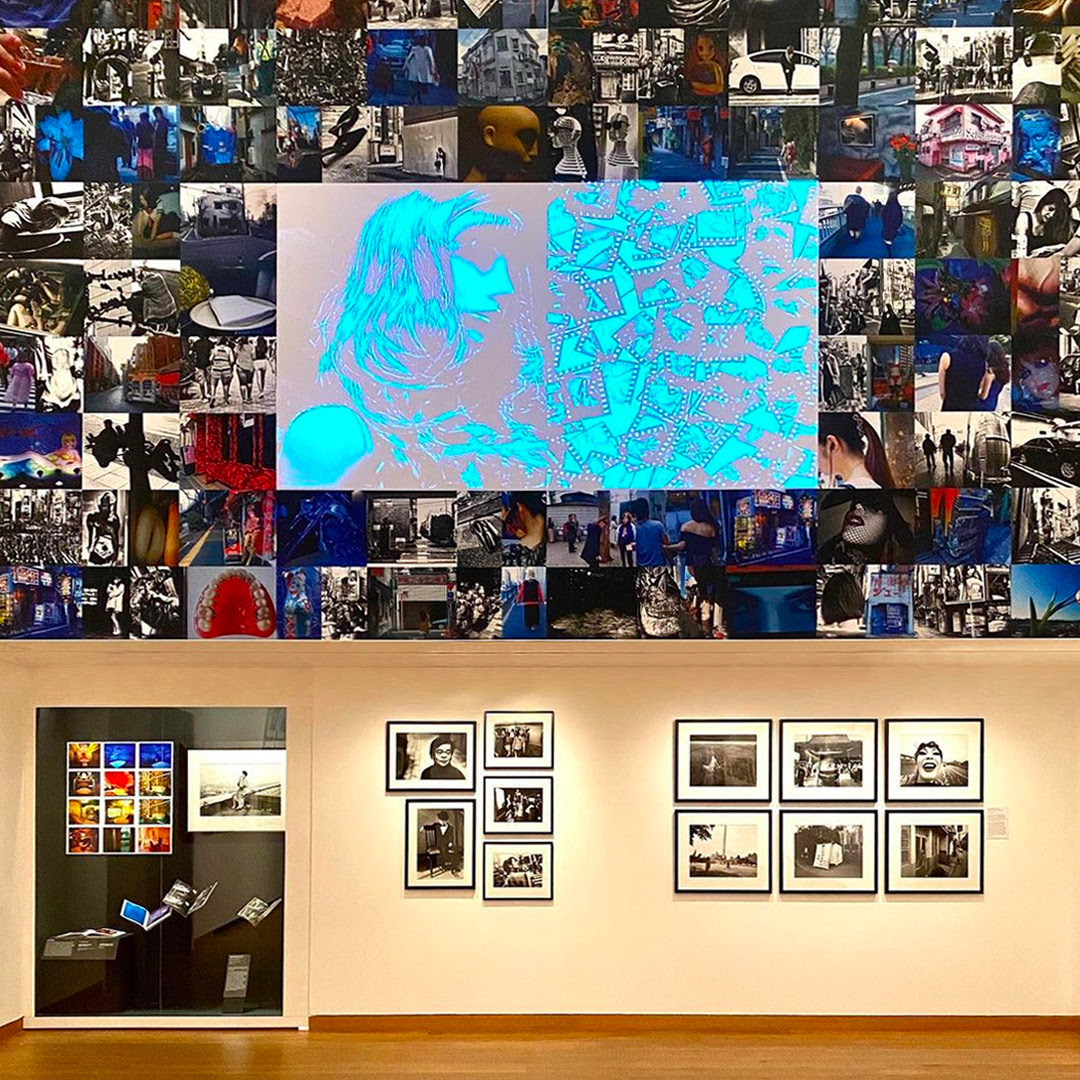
(598, 319)
(825, 838)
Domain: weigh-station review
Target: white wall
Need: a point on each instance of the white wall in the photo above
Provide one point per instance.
(16, 832)
(616, 938)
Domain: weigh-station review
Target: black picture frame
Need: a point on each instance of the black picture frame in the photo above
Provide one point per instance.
(681, 815)
(545, 827)
(543, 763)
(830, 797)
(431, 728)
(469, 863)
(548, 895)
(935, 793)
(872, 827)
(723, 795)
(939, 812)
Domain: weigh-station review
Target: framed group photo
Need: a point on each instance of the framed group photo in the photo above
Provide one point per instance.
(519, 740)
(828, 851)
(828, 760)
(723, 851)
(519, 870)
(934, 760)
(723, 760)
(423, 755)
(440, 844)
(934, 851)
(519, 804)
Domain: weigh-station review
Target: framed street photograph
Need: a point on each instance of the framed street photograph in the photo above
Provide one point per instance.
(431, 755)
(937, 760)
(236, 790)
(723, 851)
(723, 760)
(519, 804)
(828, 760)
(440, 843)
(828, 851)
(516, 740)
(519, 870)
(934, 851)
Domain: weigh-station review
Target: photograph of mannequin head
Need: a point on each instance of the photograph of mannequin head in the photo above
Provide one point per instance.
(505, 143)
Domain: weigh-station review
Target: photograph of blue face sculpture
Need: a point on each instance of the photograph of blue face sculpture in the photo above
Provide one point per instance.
(601, 335)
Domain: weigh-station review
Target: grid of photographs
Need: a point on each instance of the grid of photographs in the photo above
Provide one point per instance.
(828, 837)
(142, 144)
(119, 798)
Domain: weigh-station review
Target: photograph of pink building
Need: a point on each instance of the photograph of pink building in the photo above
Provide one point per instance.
(964, 139)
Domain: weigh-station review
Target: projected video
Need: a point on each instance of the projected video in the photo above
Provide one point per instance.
(617, 334)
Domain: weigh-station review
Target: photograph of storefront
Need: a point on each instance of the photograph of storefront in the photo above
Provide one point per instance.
(407, 602)
(39, 603)
(770, 528)
(973, 140)
(961, 601)
(961, 220)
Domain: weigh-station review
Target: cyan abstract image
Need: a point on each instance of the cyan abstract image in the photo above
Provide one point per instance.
(618, 334)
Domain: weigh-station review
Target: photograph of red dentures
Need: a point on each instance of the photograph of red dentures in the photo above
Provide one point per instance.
(234, 603)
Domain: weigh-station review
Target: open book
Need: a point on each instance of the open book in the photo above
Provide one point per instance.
(185, 900)
(137, 914)
(255, 910)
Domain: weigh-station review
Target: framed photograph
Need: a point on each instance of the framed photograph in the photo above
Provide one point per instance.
(519, 804)
(723, 851)
(723, 760)
(515, 740)
(440, 843)
(431, 755)
(858, 130)
(934, 851)
(828, 851)
(519, 870)
(828, 760)
(236, 790)
(934, 760)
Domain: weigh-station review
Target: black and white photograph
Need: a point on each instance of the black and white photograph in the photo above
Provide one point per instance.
(477, 528)
(934, 851)
(105, 609)
(519, 804)
(476, 606)
(236, 790)
(962, 601)
(828, 760)
(1046, 525)
(519, 870)
(723, 760)
(40, 528)
(440, 844)
(156, 602)
(844, 372)
(132, 298)
(104, 529)
(431, 755)
(515, 740)
(867, 296)
(410, 529)
(828, 851)
(723, 851)
(964, 64)
(934, 760)
(344, 592)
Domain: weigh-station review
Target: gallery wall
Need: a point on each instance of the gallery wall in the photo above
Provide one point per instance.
(616, 938)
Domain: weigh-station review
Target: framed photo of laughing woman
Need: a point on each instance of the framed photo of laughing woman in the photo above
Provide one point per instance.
(934, 760)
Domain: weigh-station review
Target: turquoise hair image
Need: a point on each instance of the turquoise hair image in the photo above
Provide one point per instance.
(398, 319)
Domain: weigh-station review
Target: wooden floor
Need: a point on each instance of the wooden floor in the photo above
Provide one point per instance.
(210, 1055)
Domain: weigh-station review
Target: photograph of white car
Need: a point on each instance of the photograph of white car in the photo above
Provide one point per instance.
(783, 73)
